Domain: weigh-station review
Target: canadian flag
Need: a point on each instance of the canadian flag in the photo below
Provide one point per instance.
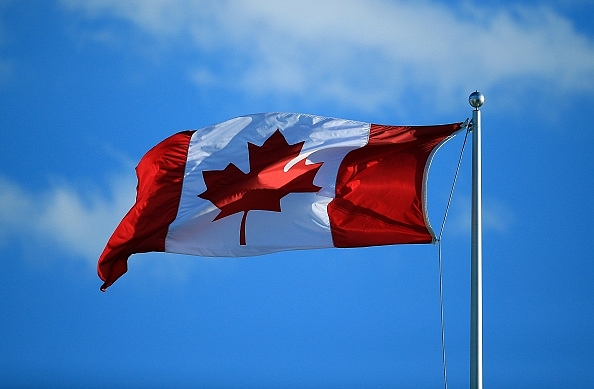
(270, 182)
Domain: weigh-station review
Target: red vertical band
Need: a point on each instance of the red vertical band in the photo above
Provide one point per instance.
(379, 187)
(144, 228)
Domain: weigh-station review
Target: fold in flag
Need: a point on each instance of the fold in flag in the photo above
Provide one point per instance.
(270, 182)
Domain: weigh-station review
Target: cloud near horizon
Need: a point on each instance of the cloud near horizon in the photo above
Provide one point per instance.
(364, 54)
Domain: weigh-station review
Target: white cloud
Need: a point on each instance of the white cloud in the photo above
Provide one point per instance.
(498, 217)
(75, 222)
(64, 220)
(365, 53)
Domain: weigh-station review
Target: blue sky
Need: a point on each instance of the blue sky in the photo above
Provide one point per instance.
(88, 86)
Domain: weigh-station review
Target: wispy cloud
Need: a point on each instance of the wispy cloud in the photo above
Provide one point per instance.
(65, 220)
(78, 223)
(497, 216)
(368, 53)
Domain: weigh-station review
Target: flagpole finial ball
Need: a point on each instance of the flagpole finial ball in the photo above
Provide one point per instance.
(476, 99)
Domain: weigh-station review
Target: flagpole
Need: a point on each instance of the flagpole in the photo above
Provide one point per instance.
(476, 100)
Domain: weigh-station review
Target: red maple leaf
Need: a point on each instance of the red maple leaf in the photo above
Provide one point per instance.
(232, 190)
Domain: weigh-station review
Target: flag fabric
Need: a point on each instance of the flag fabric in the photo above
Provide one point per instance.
(271, 182)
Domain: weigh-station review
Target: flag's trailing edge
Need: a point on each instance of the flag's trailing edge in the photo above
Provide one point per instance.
(270, 182)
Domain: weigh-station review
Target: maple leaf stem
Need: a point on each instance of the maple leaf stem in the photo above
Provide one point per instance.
(242, 229)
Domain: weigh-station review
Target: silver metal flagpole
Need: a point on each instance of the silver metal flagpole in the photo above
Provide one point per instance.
(476, 100)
